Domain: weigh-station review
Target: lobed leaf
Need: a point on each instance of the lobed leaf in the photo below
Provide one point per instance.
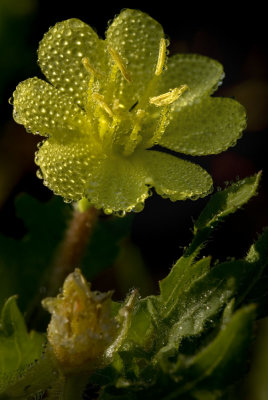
(194, 309)
(222, 361)
(228, 201)
(220, 205)
(18, 348)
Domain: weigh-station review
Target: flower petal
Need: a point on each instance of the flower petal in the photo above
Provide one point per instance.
(201, 74)
(66, 166)
(78, 169)
(136, 37)
(118, 184)
(208, 127)
(175, 178)
(43, 109)
(61, 52)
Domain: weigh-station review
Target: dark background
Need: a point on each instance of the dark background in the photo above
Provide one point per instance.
(237, 37)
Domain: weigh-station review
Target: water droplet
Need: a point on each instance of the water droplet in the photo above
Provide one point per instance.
(68, 201)
(108, 211)
(120, 214)
(39, 174)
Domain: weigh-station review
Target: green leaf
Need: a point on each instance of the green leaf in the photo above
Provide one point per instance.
(191, 310)
(202, 376)
(228, 201)
(28, 369)
(18, 348)
(190, 325)
(222, 361)
(220, 205)
(183, 273)
(257, 292)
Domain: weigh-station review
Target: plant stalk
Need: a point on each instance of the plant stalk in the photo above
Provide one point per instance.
(72, 248)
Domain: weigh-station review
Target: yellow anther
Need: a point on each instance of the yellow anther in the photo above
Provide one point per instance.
(161, 57)
(119, 63)
(169, 97)
(91, 70)
(117, 105)
(99, 98)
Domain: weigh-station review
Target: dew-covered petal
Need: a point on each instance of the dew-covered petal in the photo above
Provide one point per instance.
(201, 74)
(118, 184)
(175, 178)
(42, 109)
(66, 166)
(135, 36)
(208, 127)
(80, 169)
(61, 52)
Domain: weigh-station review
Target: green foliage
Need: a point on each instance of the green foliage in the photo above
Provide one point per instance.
(191, 341)
(18, 348)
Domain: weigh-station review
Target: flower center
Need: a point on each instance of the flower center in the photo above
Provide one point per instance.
(108, 116)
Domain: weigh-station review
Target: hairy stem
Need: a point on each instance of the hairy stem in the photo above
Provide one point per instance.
(72, 248)
(69, 256)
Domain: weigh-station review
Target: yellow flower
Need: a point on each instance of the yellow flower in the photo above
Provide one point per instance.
(109, 101)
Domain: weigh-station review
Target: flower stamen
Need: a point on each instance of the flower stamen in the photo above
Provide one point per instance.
(90, 69)
(169, 97)
(99, 98)
(161, 57)
(119, 63)
(161, 127)
(134, 137)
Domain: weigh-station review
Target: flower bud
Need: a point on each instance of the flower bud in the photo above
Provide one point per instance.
(81, 326)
